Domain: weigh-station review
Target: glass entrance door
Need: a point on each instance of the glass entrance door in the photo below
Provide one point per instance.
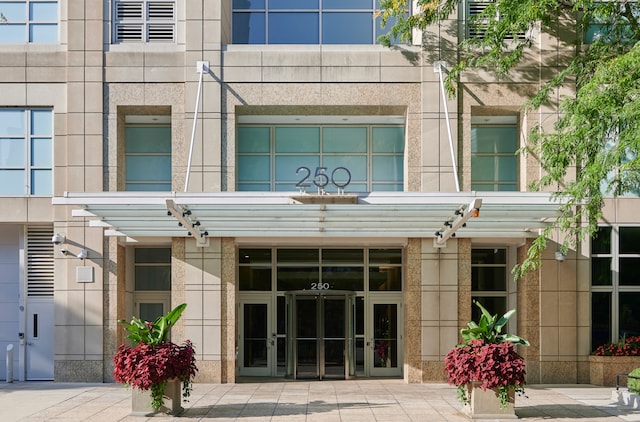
(321, 343)
(385, 345)
(256, 342)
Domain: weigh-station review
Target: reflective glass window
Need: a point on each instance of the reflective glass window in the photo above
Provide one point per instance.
(26, 152)
(29, 21)
(152, 269)
(147, 158)
(615, 299)
(306, 22)
(361, 158)
(494, 164)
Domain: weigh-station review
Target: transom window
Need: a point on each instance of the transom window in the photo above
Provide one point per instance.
(372, 270)
(26, 152)
(29, 21)
(494, 163)
(615, 287)
(362, 158)
(306, 22)
(144, 21)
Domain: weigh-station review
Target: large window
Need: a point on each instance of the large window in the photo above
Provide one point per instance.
(144, 21)
(29, 21)
(306, 22)
(609, 22)
(26, 152)
(361, 158)
(489, 280)
(494, 163)
(615, 287)
(147, 154)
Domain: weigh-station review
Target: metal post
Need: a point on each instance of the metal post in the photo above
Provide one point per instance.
(10, 363)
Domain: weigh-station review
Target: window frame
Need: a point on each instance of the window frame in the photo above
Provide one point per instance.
(491, 293)
(505, 121)
(28, 22)
(615, 289)
(28, 167)
(126, 180)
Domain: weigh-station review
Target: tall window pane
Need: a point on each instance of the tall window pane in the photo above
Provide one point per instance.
(148, 157)
(615, 263)
(489, 280)
(493, 157)
(26, 152)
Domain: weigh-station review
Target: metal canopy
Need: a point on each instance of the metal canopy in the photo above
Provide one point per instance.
(290, 214)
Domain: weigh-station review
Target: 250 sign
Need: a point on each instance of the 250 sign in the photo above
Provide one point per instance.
(321, 178)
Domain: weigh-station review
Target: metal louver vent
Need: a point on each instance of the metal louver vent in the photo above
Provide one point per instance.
(39, 262)
(477, 27)
(161, 11)
(144, 21)
(129, 32)
(129, 10)
(160, 32)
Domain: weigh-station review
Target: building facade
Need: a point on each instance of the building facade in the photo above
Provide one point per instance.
(324, 210)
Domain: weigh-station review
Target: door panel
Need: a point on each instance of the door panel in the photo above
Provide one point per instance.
(39, 340)
(385, 346)
(256, 340)
(307, 337)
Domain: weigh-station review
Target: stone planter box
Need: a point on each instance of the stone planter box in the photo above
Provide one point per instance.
(603, 369)
(141, 401)
(484, 404)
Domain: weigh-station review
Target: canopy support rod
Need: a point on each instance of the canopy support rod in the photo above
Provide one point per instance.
(201, 66)
(438, 68)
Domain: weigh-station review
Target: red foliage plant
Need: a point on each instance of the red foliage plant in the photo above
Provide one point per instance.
(144, 365)
(495, 365)
(629, 346)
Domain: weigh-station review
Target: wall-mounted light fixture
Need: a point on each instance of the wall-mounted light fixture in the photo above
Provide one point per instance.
(461, 215)
(560, 257)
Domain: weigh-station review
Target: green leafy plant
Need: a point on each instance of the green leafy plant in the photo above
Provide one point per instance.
(489, 328)
(633, 382)
(153, 360)
(155, 332)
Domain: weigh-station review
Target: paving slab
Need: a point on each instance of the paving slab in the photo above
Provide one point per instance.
(252, 400)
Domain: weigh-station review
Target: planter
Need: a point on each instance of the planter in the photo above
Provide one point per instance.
(484, 404)
(141, 400)
(603, 369)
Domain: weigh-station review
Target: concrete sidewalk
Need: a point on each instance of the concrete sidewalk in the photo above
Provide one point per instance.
(353, 401)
